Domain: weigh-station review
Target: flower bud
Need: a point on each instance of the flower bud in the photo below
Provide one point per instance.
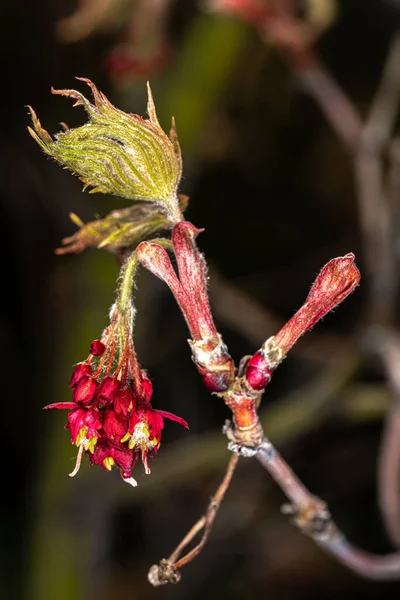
(257, 373)
(337, 279)
(106, 390)
(124, 403)
(97, 348)
(112, 427)
(81, 370)
(85, 391)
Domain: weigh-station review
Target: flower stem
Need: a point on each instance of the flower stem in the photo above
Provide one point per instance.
(124, 299)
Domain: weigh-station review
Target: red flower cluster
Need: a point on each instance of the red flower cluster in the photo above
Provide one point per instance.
(111, 418)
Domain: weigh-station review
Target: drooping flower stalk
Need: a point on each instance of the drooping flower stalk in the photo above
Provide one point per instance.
(111, 418)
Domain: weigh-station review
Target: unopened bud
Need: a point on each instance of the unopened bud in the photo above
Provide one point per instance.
(337, 279)
(257, 373)
(85, 391)
(97, 348)
(81, 370)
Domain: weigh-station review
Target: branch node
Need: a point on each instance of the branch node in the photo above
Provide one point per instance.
(163, 573)
(245, 451)
(314, 520)
(246, 447)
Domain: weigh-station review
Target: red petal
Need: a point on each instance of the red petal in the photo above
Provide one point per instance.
(80, 371)
(147, 388)
(85, 390)
(172, 417)
(107, 388)
(113, 428)
(62, 405)
(124, 403)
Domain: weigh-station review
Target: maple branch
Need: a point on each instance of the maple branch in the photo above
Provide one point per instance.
(313, 518)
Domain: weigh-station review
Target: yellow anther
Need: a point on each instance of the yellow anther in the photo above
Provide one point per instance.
(90, 444)
(81, 437)
(108, 463)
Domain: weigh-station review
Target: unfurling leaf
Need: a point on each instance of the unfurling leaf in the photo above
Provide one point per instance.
(124, 228)
(118, 153)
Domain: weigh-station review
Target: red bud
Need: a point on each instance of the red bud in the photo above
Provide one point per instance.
(97, 348)
(107, 388)
(124, 403)
(257, 373)
(85, 391)
(80, 371)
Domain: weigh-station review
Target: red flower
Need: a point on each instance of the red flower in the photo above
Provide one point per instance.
(110, 417)
(107, 388)
(107, 455)
(114, 430)
(80, 371)
(84, 425)
(85, 390)
(124, 403)
(145, 427)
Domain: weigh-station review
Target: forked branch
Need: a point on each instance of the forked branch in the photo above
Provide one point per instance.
(167, 571)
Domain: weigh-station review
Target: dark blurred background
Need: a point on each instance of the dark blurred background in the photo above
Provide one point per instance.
(273, 187)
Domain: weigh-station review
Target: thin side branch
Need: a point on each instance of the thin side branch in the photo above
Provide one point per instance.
(167, 571)
(375, 206)
(333, 102)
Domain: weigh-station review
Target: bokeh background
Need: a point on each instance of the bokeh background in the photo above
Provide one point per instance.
(273, 186)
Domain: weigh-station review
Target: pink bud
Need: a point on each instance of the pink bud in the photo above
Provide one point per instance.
(85, 390)
(97, 348)
(107, 388)
(257, 373)
(80, 371)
